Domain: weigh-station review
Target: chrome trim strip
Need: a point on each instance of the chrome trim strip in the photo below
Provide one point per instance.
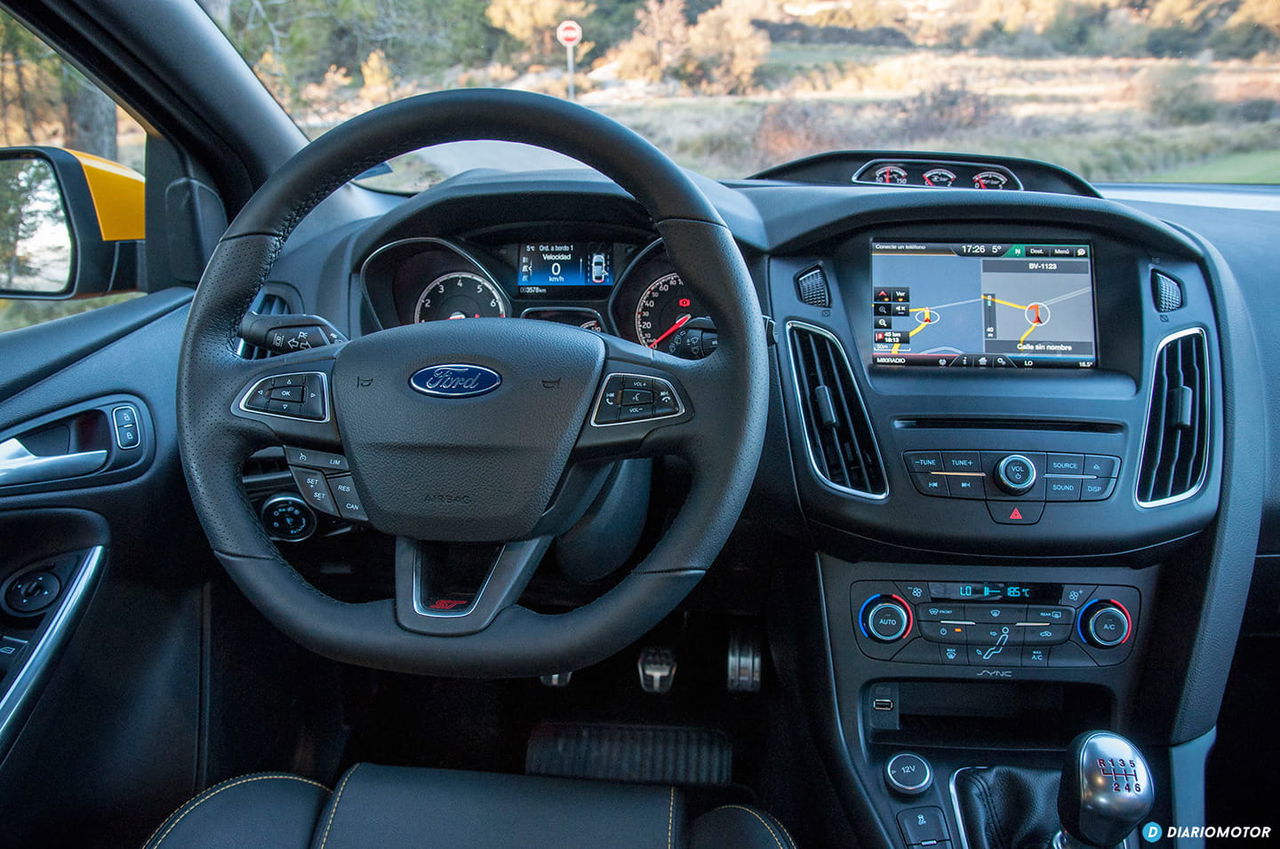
(40, 656)
(955, 805)
(324, 389)
(1206, 411)
(792, 326)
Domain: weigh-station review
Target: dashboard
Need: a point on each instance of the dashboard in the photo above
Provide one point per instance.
(618, 286)
(987, 407)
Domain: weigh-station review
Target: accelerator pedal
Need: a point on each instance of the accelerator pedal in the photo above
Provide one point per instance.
(641, 754)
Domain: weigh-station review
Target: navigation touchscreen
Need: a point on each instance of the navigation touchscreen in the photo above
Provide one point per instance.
(988, 305)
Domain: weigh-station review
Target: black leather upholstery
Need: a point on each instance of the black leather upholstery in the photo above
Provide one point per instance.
(1008, 807)
(382, 807)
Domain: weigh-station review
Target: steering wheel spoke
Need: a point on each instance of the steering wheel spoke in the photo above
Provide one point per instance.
(292, 396)
(453, 590)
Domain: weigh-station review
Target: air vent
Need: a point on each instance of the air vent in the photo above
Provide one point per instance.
(1175, 450)
(266, 302)
(842, 447)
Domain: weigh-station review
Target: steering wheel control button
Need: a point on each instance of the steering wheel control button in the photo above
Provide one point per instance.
(923, 826)
(1015, 512)
(315, 490)
(348, 502)
(888, 620)
(632, 398)
(316, 459)
(32, 593)
(923, 461)
(1106, 625)
(292, 396)
(1015, 474)
(908, 773)
(287, 517)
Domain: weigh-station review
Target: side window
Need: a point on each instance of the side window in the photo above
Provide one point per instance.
(45, 101)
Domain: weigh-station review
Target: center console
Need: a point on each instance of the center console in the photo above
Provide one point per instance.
(1010, 434)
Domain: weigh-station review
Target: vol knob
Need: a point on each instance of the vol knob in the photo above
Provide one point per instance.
(1015, 474)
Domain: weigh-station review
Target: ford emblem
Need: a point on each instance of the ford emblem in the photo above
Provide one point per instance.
(455, 380)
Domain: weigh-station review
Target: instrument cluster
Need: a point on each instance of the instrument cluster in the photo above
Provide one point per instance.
(625, 289)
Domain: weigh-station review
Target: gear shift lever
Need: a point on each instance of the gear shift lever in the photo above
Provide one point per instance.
(1105, 792)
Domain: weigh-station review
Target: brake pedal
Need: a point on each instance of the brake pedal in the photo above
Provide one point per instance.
(657, 668)
(744, 661)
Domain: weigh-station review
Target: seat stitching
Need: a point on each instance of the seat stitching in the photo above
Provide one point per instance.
(762, 821)
(333, 811)
(671, 814)
(208, 794)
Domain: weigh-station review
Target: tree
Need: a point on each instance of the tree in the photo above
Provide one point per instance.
(532, 23)
(91, 118)
(725, 49)
(659, 44)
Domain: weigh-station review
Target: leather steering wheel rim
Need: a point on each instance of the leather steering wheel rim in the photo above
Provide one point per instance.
(723, 443)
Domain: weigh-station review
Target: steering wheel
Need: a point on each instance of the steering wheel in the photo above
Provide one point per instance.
(484, 430)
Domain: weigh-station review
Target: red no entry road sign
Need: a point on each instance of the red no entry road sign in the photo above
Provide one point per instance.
(569, 33)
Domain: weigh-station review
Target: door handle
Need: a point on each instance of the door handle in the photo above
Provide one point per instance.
(18, 465)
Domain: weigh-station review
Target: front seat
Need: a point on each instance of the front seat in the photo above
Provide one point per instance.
(385, 807)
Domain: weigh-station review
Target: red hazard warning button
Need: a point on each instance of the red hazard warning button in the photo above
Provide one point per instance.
(1016, 512)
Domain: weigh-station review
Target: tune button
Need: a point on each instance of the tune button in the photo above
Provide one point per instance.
(1015, 474)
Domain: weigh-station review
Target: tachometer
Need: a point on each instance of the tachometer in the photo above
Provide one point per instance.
(990, 180)
(460, 294)
(895, 174)
(665, 307)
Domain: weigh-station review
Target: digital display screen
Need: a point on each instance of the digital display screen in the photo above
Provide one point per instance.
(573, 269)
(1005, 305)
(996, 591)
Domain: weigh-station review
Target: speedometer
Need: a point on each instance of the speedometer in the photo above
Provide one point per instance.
(460, 294)
(664, 309)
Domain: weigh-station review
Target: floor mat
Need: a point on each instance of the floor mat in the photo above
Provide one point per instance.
(644, 754)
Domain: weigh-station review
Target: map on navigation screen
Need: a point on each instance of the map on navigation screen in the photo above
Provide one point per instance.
(982, 305)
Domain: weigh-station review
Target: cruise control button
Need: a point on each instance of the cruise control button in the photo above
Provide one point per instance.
(346, 500)
(1064, 464)
(931, 484)
(1016, 512)
(316, 459)
(1062, 489)
(961, 461)
(314, 489)
(1102, 465)
(923, 461)
(1096, 489)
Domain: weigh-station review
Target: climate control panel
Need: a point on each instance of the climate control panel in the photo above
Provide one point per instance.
(995, 623)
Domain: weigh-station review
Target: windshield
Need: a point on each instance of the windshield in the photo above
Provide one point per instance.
(1115, 90)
